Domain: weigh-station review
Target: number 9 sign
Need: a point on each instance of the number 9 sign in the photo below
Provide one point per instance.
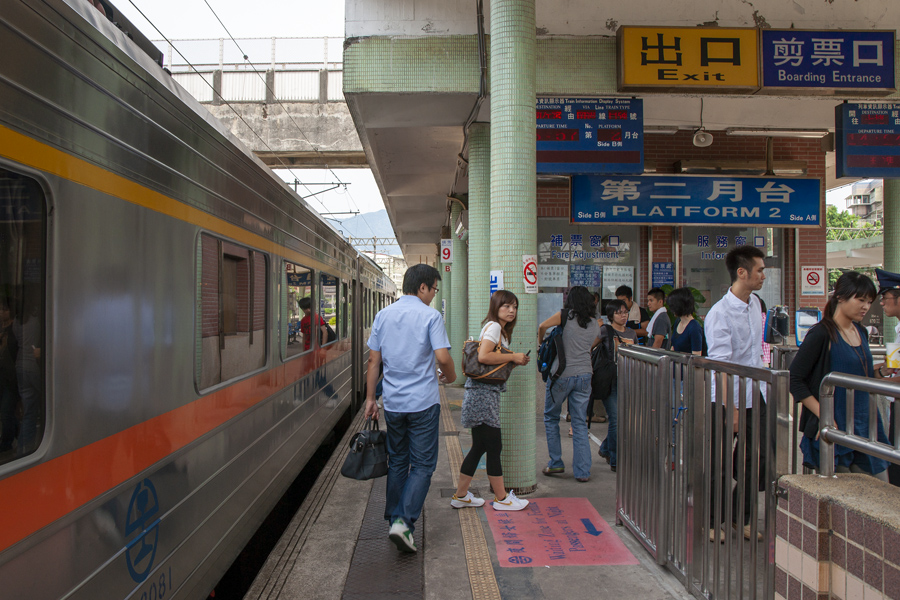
(446, 251)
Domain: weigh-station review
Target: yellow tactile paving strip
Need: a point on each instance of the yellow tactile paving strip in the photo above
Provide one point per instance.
(478, 558)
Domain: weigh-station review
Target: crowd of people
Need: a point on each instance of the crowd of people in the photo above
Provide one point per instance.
(409, 337)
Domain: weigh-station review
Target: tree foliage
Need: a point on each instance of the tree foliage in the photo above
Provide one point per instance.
(842, 219)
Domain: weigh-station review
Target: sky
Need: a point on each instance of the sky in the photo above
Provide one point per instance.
(193, 20)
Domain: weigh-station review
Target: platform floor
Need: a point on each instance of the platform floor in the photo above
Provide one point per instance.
(337, 544)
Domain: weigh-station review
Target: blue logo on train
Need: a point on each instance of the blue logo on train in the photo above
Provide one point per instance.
(143, 517)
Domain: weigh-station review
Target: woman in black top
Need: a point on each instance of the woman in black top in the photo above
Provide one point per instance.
(838, 343)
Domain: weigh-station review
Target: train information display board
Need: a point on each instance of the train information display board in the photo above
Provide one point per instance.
(584, 135)
(867, 140)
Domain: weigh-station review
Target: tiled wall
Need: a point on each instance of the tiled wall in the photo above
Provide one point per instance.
(827, 547)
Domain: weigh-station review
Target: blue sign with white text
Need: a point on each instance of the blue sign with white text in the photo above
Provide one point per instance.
(590, 135)
(696, 200)
(663, 274)
(859, 60)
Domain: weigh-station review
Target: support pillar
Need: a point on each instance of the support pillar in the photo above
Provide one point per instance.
(891, 222)
(459, 318)
(479, 224)
(443, 291)
(514, 216)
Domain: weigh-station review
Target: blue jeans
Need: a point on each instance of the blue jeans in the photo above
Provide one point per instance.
(412, 444)
(577, 390)
(611, 443)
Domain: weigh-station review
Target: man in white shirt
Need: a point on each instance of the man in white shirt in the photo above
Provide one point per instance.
(733, 331)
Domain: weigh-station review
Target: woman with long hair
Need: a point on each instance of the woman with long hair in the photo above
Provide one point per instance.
(481, 408)
(580, 335)
(838, 343)
(687, 334)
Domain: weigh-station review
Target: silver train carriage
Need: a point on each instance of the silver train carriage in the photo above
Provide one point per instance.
(162, 383)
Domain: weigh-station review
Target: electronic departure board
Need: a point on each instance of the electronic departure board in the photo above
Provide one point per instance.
(590, 135)
(868, 140)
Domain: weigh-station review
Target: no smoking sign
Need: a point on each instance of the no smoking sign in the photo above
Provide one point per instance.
(529, 273)
(812, 281)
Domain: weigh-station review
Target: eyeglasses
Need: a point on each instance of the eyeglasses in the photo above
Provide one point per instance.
(621, 312)
(435, 290)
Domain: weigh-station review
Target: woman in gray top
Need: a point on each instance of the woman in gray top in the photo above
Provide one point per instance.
(581, 333)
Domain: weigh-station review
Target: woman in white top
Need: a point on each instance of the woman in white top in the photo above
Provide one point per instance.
(481, 408)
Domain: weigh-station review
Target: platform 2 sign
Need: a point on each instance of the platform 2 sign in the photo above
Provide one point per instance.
(590, 135)
(556, 532)
(800, 60)
(867, 140)
(696, 200)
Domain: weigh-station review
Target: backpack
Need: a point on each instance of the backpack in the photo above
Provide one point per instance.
(603, 364)
(330, 332)
(551, 353)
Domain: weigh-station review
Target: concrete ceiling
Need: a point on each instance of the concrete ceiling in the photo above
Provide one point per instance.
(412, 142)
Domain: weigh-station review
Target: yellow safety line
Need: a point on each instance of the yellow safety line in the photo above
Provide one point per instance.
(478, 557)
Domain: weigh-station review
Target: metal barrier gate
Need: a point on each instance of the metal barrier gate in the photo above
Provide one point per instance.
(674, 482)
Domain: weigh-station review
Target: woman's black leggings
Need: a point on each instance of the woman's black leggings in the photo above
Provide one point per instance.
(485, 439)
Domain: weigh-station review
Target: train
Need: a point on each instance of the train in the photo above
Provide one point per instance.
(159, 391)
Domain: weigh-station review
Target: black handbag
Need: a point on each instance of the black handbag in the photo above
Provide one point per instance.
(368, 453)
(478, 371)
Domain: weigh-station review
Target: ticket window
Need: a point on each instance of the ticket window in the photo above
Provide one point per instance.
(600, 257)
(703, 257)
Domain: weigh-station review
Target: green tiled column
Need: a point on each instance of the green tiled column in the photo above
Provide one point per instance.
(459, 318)
(513, 216)
(479, 224)
(891, 242)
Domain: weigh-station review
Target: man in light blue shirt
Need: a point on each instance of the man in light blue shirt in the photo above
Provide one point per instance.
(409, 337)
(733, 331)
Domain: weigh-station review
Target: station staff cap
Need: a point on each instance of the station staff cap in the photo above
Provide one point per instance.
(887, 281)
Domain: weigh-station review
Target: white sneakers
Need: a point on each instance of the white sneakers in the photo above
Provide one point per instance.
(401, 536)
(466, 501)
(511, 502)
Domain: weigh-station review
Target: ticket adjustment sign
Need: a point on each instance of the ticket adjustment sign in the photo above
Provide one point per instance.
(828, 60)
(679, 59)
(696, 200)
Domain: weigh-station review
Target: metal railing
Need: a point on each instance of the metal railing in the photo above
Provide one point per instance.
(838, 234)
(829, 434)
(673, 482)
(286, 69)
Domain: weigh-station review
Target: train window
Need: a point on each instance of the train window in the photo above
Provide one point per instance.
(345, 310)
(22, 241)
(232, 323)
(298, 305)
(329, 309)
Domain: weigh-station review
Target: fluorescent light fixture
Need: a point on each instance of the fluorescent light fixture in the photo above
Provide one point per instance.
(766, 132)
(662, 129)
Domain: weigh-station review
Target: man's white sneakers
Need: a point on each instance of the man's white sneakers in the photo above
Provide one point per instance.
(401, 536)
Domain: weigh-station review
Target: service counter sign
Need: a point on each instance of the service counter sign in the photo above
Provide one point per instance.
(828, 61)
(599, 135)
(713, 60)
(867, 140)
(696, 200)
